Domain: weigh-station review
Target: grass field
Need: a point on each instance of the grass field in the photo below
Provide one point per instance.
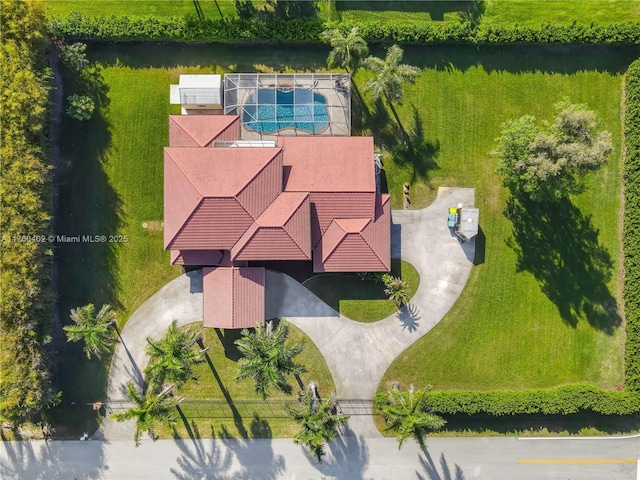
(140, 8)
(493, 12)
(249, 416)
(360, 300)
(524, 319)
(529, 13)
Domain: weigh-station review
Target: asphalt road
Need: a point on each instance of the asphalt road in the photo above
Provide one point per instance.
(348, 458)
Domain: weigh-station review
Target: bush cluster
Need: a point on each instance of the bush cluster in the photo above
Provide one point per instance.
(562, 400)
(188, 29)
(193, 29)
(632, 227)
(25, 386)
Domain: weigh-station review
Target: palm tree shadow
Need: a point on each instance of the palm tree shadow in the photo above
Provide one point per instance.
(202, 459)
(349, 457)
(416, 151)
(560, 247)
(432, 471)
(409, 317)
(237, 418)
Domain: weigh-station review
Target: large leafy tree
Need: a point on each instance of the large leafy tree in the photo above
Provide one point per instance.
(549, 162)
(150, 408)
(318, 420)
(94, 329)
(173, 356)
(348, 50)
(408, 413)
(268, 358)
(389, 75)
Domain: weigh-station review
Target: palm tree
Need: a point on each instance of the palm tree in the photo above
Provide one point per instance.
(93, 329)
(347, 49)
(318, 420)
(150, 408)
(173, 356)
(390, 75)
(268, 358)
(407, 413)
(397, 289)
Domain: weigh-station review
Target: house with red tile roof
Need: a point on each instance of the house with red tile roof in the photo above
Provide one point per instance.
(228, 202)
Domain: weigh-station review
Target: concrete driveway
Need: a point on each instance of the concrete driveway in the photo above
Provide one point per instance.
(357, 354)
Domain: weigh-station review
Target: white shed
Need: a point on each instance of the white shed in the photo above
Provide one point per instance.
(198, 92)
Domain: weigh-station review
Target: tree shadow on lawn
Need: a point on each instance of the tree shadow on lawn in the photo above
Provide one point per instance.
(237, 418)
(87, 206)
(560, 247)
(409, 148)
(416, 152)
(332, 288)
(435, 8)
(231, 58)
(562, 59)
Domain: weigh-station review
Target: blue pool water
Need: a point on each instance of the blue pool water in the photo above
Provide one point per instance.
(274, 110)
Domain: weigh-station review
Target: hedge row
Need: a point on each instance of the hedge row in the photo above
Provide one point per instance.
(631, 240)
(563, 400)
(192, 29)
(188, 29)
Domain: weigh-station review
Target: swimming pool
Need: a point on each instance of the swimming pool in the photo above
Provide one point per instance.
(270, 110)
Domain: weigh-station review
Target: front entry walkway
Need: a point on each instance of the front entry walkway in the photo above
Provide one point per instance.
(357, 354)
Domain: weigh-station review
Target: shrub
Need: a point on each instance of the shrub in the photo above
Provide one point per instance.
(562, 400)
(632, 227)
(80, 107)
(74, 56)
(194, 29)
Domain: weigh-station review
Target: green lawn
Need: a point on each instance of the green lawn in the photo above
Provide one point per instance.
(250, 416)
(360, 300)
(530, 13)
(140, 8)
(524, 318)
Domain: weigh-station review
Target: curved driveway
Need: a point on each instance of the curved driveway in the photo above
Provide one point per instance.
(357, 354)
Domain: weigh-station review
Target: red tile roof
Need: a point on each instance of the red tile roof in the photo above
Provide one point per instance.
(329, 164)
(201, 130)
(282, 232)
(357, 245)
(328, 206)
(196, 257)
(233, 296)
(213, 195)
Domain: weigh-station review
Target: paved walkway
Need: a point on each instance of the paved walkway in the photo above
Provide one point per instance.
(357, 354)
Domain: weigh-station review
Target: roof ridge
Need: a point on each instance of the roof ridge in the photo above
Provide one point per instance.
(177, 164)
(183, 129)
(326, 254)
(372, 222)
(184, 224)
(295, 210)
(246, 242)
(246, 185)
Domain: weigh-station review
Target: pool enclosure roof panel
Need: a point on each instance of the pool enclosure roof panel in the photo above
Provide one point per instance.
(289, 104)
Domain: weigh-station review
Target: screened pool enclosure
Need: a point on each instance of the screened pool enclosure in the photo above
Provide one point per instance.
(271, 104)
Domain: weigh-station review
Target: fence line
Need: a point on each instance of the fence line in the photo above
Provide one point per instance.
(247, 408)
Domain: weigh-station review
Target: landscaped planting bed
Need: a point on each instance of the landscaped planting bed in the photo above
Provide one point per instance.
(358, 299)
(248, 415)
